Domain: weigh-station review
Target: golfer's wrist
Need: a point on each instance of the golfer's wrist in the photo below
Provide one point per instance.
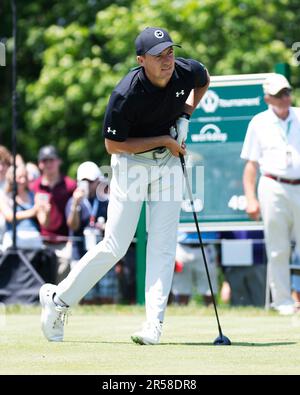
(185, 115)
(168, 141)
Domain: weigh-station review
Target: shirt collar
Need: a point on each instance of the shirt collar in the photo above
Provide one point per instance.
(47, 187)
(147, 84)
(276, 119)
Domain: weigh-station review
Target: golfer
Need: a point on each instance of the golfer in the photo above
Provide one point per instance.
(138, 129)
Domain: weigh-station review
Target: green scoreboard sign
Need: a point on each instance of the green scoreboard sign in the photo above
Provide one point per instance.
(216, 134)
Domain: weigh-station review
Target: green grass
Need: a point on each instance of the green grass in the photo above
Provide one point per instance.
(97, 341)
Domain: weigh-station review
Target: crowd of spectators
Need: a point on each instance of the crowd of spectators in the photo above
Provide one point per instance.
(57, 218)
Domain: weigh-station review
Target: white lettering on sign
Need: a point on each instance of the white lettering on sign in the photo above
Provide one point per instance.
(211, 102)
(237, 203)
(209, 132)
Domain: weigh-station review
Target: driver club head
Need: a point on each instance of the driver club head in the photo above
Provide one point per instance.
(222, 341)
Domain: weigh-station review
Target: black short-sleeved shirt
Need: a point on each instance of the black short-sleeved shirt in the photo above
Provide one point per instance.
(137, 108)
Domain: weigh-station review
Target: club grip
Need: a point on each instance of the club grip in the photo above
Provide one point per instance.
(182, 161)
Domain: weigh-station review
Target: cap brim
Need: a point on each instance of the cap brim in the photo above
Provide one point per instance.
(276, 90)
(87, 177)
(157, 49)
(48, 157)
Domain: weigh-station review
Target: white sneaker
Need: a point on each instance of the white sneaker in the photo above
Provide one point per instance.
(286, 309)
(150, 333)
(53, 316)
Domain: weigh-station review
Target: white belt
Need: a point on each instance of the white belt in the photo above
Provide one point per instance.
(154, 154)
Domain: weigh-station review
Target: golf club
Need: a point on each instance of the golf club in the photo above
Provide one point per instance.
(221, 340)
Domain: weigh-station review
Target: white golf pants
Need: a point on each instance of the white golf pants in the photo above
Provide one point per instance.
(280, 207)
(134, 180)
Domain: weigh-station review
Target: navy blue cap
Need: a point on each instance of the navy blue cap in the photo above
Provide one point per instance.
(152, 41)
(47, 152)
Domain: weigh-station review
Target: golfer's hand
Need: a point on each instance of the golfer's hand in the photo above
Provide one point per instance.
(182, 127)
(253, 209)
(175, 148)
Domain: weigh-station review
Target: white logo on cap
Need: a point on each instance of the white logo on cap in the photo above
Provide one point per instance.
(109, 130)
(158, 34)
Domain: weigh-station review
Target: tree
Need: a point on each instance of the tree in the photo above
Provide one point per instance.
(72, 56)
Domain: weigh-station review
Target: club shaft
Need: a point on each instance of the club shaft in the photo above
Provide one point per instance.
(200, 238)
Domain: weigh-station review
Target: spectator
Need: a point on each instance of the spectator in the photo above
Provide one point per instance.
(55, 188)
(19, 160)
(190, 270)
(5, 162)
(29, 212)
(86, 213)
(295, 278)
(272, 143)
(33, 172)
(244, 267)
(126, 270)
(225, 292)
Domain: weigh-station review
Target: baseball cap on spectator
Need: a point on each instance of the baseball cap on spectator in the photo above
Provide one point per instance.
(152, 41)
(47, 152)
(275, 83)
(88, 171)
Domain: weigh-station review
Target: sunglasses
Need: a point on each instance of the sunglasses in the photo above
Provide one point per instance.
(282, 93)
(47, 160)
(89, 181)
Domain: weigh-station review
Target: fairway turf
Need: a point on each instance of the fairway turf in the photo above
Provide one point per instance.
(97, 341)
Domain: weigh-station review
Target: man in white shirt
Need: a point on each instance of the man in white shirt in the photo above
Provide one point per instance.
(272, 143)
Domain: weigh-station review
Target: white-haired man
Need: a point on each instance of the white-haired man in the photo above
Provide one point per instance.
(272, 143)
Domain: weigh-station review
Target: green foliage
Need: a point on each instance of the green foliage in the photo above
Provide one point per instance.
(69, 98)
(71, 55)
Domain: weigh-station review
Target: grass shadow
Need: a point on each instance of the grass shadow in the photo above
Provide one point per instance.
(234, 344)
(96, 342)
(239, 344)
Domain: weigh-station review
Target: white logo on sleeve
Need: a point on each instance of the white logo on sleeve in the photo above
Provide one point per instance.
(109, 130)
(180, 93)
(158, 34)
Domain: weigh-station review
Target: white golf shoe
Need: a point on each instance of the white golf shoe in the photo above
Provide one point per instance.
(150, 333)
(53, 316)
(286, 309)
